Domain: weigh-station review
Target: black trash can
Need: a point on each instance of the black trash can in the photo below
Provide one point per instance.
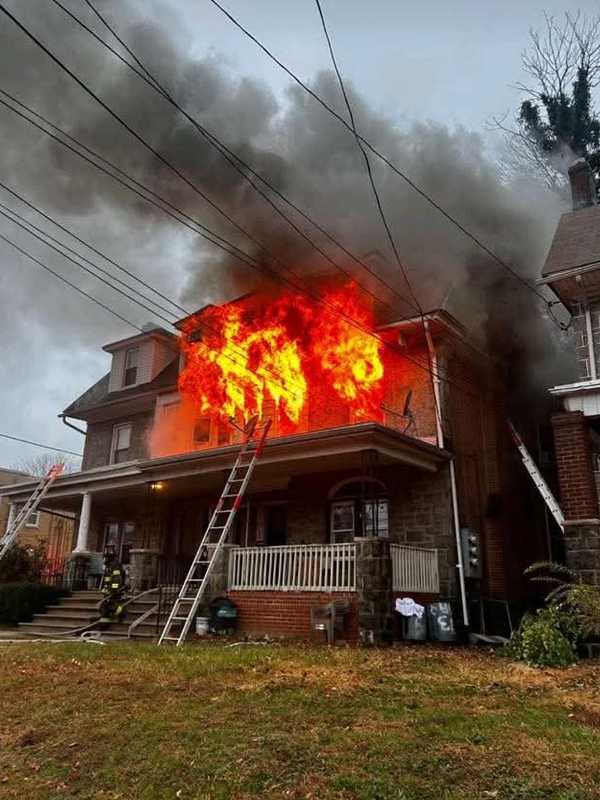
(441, 622)
(223, 615)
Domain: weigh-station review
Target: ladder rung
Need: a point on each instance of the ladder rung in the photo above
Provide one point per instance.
(178, 619)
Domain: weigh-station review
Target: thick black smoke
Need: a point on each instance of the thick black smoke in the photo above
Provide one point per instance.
(298, 147)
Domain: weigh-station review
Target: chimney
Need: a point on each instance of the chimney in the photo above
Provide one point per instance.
(583, 187)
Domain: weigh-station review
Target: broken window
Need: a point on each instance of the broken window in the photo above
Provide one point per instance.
(202, 431)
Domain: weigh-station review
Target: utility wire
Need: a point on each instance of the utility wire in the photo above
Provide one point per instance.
(100, 269)
(235, 160)
(43, 446)
(65, 280)
(362, 150)
(202, 324)
(381, 212)
(430, 200)
(163, 160)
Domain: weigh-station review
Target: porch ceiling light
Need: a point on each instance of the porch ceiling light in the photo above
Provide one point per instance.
(158, 486)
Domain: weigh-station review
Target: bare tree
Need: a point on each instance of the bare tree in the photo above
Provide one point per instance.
(40, 464)
(555, 123)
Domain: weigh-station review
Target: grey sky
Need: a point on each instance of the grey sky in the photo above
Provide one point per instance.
(447, 61)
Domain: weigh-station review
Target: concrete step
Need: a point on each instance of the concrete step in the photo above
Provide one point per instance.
(54, 625)
(63, 613)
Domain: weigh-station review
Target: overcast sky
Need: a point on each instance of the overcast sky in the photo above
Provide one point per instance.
(452, 62)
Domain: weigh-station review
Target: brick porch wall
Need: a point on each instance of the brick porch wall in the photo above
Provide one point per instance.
(287, 614)
(579, 499)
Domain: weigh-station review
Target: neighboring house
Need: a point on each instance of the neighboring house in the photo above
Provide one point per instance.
(341, 506)
(54, 531)
(572, 270)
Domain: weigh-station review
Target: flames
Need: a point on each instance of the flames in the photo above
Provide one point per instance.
(285, 350)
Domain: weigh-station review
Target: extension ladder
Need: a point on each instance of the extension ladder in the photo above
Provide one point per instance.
(537, 478)
(29, 508)
(215, 536)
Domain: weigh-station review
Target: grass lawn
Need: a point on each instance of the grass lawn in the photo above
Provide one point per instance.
(415, 723)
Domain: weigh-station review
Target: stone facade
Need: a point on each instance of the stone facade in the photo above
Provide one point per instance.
(582, 551)
(374, 590)
(99, 440)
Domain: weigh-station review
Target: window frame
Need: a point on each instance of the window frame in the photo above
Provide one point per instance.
(35, 524)
(128, 367)
(115, 438)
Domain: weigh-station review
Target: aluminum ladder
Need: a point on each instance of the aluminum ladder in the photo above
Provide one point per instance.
(29, 508)
(537, 478)
(196, 580)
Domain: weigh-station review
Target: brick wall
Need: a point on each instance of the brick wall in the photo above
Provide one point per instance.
(98, 441)
(579, 499)
(287, 614)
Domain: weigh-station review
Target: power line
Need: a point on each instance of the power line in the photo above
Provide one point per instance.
(65, 280)
(262, 268)
(361, 148)
(382, 215)
(43, 446)
(235, 160)
(228, 154)
(132, 298)
(87, 261)
(460, 226)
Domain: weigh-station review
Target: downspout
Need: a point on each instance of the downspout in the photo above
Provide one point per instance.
(440, 440)
(70, 424)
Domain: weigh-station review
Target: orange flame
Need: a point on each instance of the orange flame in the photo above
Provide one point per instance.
(283, 348)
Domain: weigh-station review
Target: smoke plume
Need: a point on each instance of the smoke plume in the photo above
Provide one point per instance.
(300, 149)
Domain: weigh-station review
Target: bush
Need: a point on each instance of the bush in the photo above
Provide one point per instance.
(23, 563)
(547, 638)
(20, 601)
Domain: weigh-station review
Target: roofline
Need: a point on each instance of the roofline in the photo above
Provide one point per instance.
(118, 400)
(355, 437)
(578, 269)
(155, 333)
(436, 315)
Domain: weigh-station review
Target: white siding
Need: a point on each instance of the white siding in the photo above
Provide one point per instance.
(116, 373)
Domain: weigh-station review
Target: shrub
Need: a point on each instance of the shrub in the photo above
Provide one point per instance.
(20, 601)
(23, 563)
(547, 638)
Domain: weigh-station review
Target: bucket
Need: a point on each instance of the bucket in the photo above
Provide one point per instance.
(201, 626)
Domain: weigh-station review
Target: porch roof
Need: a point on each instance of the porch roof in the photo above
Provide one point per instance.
(313, 451)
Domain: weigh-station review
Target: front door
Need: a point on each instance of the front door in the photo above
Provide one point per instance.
(119, 536)
(275, 525)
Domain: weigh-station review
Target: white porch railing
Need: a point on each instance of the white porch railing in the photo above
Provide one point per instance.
(414, 569)
(304, 568)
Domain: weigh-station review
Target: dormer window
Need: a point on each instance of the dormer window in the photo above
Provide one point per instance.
(131, 366)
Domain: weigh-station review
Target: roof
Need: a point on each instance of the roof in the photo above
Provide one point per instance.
(150, 333)
(98, 395)
(576, 241)
(9, 476)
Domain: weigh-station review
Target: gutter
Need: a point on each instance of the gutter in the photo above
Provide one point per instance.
(460, 566)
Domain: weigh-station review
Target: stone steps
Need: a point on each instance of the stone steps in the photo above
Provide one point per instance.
(80, 609)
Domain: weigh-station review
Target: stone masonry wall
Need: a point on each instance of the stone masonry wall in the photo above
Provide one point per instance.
(582, 551)
(99, 439)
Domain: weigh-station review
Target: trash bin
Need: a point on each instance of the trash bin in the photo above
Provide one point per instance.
(441, 622)
(223, 614)
(415, 628)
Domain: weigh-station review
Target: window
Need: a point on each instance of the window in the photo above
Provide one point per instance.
(33, 521)
(131, 366)
(359, 508)
(202, 431)
(120, 444)
(342, 521)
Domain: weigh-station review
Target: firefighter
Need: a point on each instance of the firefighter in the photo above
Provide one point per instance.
(113, 588)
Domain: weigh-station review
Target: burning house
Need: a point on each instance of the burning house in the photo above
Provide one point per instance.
(386, 472)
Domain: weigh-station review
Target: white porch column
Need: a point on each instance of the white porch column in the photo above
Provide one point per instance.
(83, 531)
(12, 513)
